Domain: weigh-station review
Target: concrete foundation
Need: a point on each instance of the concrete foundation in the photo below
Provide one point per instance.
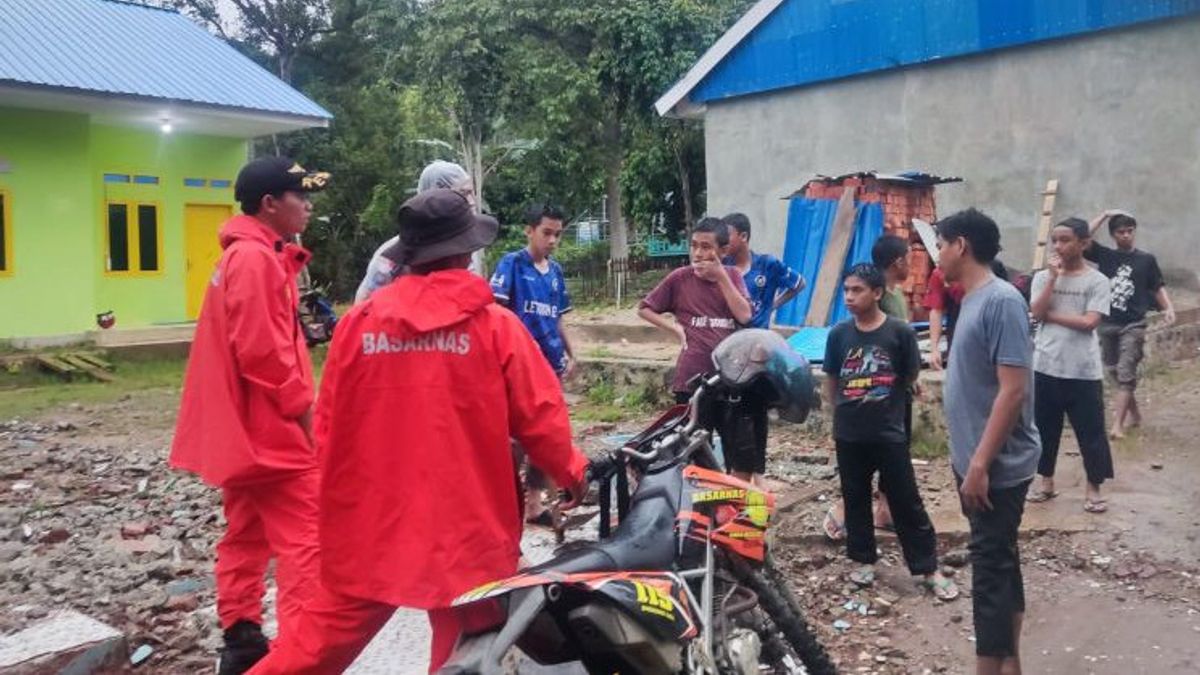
(1106, 114)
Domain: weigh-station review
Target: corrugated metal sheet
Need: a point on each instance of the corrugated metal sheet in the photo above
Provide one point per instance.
(120, 48)
(808, 41)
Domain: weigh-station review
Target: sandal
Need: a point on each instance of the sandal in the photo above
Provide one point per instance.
(834, 530)
(943, 588)
(1095, 505)
(543, 519)
(863, 576)
(1041, 496)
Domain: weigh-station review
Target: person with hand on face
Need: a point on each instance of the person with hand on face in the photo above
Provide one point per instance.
(245, 415)
(1137, 286)
(709, 302)
(426, 382)
(531, 284)
(994, 445)
(1070, 299)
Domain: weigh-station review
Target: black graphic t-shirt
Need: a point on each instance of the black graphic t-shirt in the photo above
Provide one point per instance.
(873, 371)
(1134, 280)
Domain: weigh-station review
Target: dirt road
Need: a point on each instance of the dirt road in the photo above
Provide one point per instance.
(91, 518)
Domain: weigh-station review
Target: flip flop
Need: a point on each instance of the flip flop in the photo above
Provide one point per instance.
(1095, 505)
(1041, 496)
(943, 589)
(862, 577)
(889, 527)
(834, 530)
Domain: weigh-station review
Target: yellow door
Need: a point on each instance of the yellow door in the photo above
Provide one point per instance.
(201, 223)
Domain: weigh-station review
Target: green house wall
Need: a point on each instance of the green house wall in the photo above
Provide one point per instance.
(58, 202)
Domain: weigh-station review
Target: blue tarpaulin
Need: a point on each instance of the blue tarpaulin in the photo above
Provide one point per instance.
(809, 224)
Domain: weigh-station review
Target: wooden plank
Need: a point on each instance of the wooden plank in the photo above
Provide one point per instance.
(928, 238)
(830, 275)
(56, 365)
(95, 360)
(1046, 218)
(95, 373)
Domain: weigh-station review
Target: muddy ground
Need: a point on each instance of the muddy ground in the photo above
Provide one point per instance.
(91, 518)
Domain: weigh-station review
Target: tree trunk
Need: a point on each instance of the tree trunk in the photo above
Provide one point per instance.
(614, 160)
(685, 182)
(471, 150)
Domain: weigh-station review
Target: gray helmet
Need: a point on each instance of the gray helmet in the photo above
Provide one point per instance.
(761, 359)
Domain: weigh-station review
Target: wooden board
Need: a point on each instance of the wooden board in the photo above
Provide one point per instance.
(92, 371)
(56, 365)
(928, 238)
(1044, 221)
(830, 275)
(95, 360)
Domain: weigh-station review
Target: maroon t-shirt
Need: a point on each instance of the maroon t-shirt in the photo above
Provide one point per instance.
(700, 307)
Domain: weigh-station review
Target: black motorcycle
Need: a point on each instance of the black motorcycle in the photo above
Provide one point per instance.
(685, 583)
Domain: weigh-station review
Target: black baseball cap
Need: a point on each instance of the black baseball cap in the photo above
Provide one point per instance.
(438, 224)
(267, 175)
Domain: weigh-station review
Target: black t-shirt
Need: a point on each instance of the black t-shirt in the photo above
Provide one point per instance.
(873, 371)
(1135, 279)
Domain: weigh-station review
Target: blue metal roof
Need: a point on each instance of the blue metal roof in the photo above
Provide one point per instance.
(124, 49)
(807, 41)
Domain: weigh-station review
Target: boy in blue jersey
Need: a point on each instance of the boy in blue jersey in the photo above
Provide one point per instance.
(532, 285)
(771, 283)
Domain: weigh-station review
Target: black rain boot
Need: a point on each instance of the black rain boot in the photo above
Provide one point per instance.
(245, 645)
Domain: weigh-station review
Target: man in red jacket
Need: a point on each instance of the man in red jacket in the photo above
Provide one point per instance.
(245, 419)
(425, 383)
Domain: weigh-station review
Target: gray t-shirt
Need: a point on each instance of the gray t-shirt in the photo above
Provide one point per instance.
(992, 330)
(1065, 352)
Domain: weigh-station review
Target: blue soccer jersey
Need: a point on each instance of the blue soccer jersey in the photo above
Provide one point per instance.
(767, 277)
(538, 298)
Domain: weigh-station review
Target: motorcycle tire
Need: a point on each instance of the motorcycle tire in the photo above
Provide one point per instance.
(774, 599)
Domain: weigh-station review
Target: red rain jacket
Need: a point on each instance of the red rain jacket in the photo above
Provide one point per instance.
(425, 383)
(249, 376)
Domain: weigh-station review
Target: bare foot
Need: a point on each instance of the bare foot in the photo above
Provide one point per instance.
(1116, 434)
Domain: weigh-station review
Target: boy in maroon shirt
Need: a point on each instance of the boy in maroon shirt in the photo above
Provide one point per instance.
(709, 302)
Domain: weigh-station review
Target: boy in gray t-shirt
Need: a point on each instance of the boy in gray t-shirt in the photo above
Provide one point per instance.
(1069, 299)
(993, 443)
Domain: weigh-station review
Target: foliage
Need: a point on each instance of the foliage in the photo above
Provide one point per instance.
(540, 100)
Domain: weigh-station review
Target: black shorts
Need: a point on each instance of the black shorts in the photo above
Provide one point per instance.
(997, 588)
(742, 427)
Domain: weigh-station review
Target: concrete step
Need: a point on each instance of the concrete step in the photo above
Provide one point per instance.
(121, 337)
(63, 642)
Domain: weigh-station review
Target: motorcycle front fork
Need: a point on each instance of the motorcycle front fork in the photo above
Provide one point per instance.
(703, 660)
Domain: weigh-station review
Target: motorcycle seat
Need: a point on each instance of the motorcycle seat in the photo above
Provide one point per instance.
(644, 540)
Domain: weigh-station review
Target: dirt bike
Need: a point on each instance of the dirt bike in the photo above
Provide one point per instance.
(685, 583)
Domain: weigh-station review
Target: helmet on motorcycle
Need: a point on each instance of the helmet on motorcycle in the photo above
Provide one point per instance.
(762, 359)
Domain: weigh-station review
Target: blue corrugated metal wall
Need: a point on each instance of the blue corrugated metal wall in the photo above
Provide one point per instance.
(809, 225)
(807, 41)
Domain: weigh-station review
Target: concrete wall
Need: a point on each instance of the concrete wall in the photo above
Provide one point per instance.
(1113, 116)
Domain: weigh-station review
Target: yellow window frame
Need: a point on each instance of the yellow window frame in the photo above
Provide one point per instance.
(6, 213)
(133, 241)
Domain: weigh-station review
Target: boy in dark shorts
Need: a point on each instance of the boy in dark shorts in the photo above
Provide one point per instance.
(1137, 286)
(994, 445)
(870, 361)
(708, 301)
